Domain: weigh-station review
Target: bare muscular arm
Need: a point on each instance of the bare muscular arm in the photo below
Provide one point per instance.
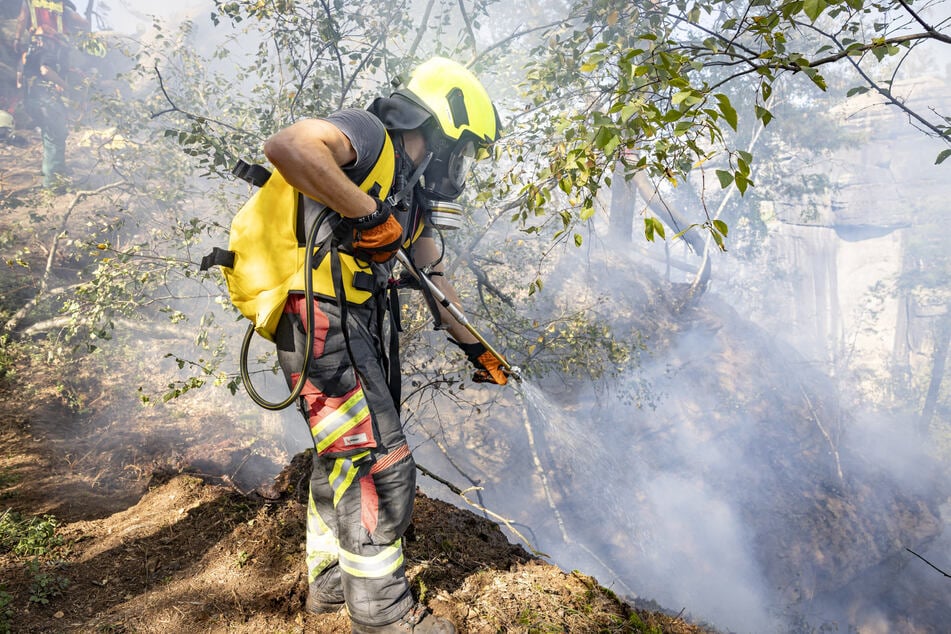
(425, 252)
(308, 154)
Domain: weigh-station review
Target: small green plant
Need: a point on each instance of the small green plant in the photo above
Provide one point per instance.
(6, 611)
(45, 585)
(9, 530)
(242, 559)
(526, 617)
(9, 477)
(7, 358)
(639, 625)
(39, 537)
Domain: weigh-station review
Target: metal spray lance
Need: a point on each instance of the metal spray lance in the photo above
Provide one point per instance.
(457, 314)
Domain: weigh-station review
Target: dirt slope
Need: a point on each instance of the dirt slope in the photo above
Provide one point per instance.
(158, 534)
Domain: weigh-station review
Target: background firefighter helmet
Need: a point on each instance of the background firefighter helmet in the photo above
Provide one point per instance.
(461, 117)
(6, 125)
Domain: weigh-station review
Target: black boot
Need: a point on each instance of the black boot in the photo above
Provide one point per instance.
(325, 593)
(315, 605)
(418, 620)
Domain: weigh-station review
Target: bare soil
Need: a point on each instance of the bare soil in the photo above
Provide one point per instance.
(158, 537)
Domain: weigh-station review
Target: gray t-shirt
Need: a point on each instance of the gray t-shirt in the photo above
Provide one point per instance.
(366, 134)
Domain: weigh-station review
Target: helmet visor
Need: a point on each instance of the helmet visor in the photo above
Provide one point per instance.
(460, 164)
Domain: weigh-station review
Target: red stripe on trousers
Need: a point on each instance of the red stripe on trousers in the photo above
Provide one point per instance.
(296, 305)
(390, 459)
(369, 503)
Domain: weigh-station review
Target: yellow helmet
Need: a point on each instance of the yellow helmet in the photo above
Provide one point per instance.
(455, 98)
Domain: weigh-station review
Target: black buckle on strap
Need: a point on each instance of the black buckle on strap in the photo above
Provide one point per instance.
(255, 174)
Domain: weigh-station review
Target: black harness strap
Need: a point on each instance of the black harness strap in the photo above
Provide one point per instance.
(252, 173)
(391, 359)
(340, 293)
(217, 257)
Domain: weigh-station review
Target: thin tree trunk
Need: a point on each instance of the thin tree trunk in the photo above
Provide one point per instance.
(90, 9)
(942, 339)
(623, 199)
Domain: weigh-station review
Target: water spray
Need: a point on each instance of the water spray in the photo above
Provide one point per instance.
(457, 314)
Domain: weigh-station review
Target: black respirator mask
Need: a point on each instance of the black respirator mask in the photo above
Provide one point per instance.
(445, 176)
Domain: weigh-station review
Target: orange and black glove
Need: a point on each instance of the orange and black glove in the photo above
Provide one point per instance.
(376, 236)
(488, 368)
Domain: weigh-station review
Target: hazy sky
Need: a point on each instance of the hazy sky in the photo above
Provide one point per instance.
(129, 15)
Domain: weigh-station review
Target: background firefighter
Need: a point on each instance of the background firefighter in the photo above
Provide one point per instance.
(43, 67)
(363, 481)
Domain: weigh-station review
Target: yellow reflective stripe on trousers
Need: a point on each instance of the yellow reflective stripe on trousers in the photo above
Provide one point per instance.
(343, 473)
(342, 420)
(379, 565)
(321, 543)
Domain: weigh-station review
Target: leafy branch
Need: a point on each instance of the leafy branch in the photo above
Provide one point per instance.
(43, 290)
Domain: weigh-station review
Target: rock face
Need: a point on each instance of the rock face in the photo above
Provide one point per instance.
(844, 254)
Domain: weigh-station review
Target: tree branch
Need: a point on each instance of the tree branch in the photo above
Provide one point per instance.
(462, 494)
(864, 48)
(188, 115)
(468, 23)
(423, 22)
(79, 196)
(930, 29)
(890, 98)
(929, 563)
(513, 36)
(336, 49)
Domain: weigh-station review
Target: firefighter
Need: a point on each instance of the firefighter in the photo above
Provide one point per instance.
(364, 479)
(41, 75)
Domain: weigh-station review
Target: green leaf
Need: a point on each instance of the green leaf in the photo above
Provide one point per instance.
(727, 109)
(816, 77)
(742, 182)
(725, 177)
(742, 167)
(813, 8)
(721, 226)
(653, 227)
(578, 239)
(942, 156)
(681, 97)
(606, 139)
(858, 90)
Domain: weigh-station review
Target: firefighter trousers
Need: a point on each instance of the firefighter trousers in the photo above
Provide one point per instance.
(363, 481)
